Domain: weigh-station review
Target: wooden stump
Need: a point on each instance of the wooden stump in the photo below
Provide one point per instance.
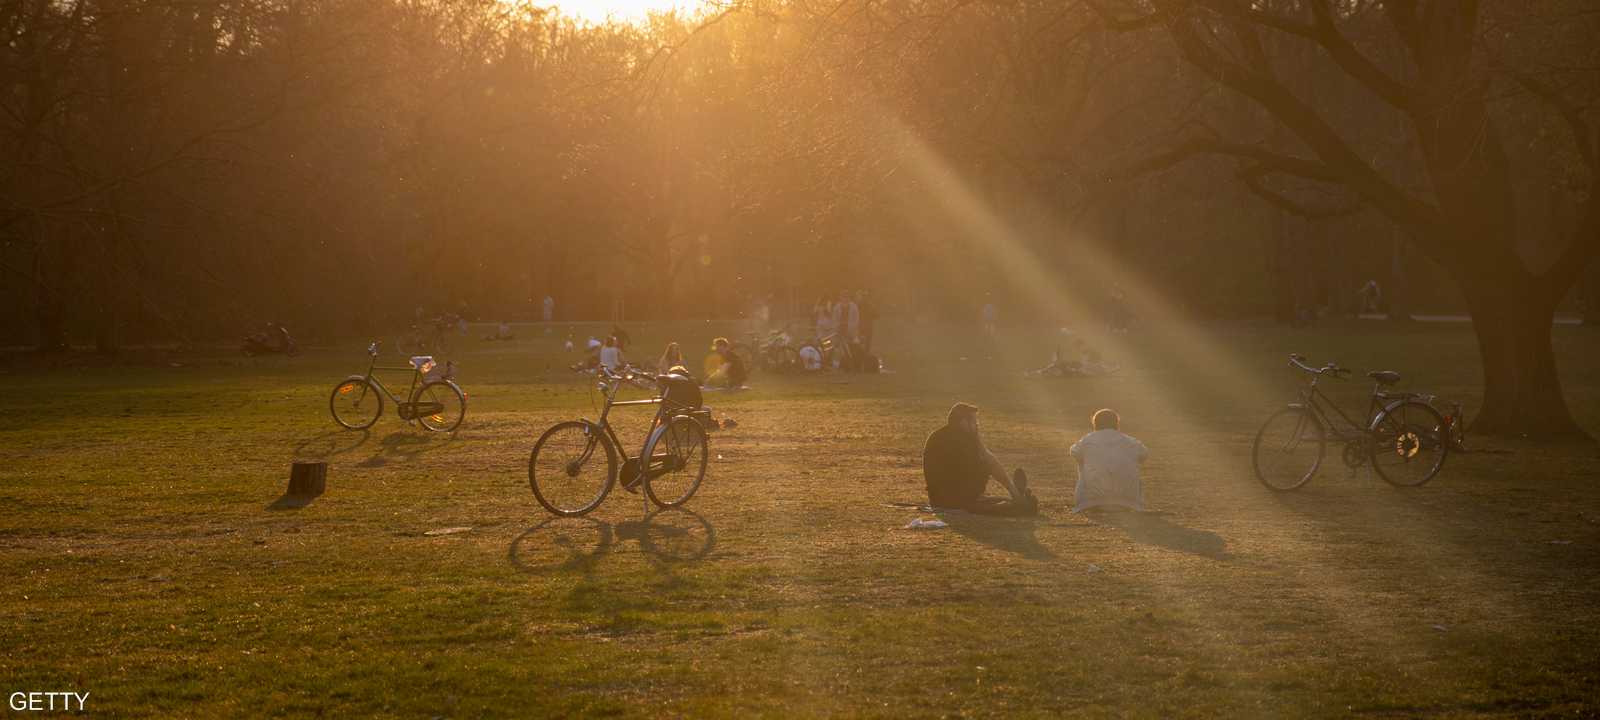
(308, 478)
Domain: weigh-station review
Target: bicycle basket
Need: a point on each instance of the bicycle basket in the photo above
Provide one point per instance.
(680, 392)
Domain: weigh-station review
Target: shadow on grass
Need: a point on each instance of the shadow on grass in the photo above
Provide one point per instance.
(329, 444)
(1153, 528)
(403, 446)
(292, 502)
(1013, 535)
(666, 536)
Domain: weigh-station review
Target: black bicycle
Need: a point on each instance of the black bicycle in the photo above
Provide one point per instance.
(574, 464)
(434, 400)
(1404, 438)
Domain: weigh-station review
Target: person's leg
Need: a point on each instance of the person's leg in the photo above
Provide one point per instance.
(997, 472)
(1001, 507)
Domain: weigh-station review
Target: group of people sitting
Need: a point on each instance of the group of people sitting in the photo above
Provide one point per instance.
(958, 467)
(724, 368)
(1080, 360)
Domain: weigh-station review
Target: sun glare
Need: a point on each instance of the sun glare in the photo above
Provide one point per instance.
(629, 11)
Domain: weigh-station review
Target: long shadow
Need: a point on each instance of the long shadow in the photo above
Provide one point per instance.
(405, 447)
(329, 444)
(1013, 535)
(1153, 528)
(667, 536)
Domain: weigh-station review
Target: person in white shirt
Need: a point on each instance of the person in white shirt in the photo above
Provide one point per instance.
(611, 355)
(823, 311)
(810, 357)
(549, 308)
(1108, 466)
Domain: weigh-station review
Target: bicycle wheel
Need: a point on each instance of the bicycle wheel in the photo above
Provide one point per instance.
(677, 453)
(788, 359)
(572, 467)
(355, 403)
(1288, 449)
(446, 406)
(1409, 443)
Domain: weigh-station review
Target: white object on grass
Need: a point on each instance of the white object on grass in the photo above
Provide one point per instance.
(448, 531)
(921, 524)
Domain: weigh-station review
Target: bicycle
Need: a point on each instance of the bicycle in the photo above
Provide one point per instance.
(573, 465)
(429, 337)
(1404, 438)
(436, 401)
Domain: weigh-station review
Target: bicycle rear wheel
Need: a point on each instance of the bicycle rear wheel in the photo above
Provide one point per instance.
(440, 406)
(1288, 449)
(677, 461)
(572, 468)
(1409, 443)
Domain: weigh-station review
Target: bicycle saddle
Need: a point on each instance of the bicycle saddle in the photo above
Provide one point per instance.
(1384, 377)
(417, 361)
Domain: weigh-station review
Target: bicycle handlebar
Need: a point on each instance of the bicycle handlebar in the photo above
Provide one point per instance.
(629, 374)
(1298, 361)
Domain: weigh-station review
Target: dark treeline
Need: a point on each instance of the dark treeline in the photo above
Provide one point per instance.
(183, 171)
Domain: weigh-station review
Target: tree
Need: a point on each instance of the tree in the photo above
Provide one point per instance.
(1432, 63)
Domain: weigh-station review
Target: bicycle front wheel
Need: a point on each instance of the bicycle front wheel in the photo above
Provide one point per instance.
(440, 406)
(677, 461)
(572, 468)
(355, 404)
(1289, 449)
(1409, 444)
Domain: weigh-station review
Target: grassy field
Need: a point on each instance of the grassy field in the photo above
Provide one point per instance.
(144, 561)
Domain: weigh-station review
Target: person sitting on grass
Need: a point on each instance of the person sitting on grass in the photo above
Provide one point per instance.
(671, 359)
(1108, 465)
(611, 355)
(957, 468)
(730, 371)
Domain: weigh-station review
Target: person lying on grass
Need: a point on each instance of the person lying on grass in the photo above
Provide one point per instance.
(1108, 465)
(958, 467)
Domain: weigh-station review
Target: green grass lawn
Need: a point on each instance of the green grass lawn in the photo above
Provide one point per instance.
(143, 563)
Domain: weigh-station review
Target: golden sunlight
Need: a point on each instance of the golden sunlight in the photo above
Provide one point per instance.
(628, 11)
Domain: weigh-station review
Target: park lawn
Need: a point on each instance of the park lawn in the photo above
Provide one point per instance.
(145, 565)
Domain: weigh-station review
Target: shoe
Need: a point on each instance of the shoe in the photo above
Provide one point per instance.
(1019, 480)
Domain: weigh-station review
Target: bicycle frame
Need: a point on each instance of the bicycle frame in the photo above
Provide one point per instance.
(1318, 403)
(371, 379)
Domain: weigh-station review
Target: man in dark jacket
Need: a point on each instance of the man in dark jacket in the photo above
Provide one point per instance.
(958, 467)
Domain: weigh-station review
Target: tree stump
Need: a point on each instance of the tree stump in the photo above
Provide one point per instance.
(308, 478)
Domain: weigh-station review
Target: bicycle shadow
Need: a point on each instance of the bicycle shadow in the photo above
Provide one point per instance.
(1153, 528)
(329, 444)
(561, 544)
(404, 447)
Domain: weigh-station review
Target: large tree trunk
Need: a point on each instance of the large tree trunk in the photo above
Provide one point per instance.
(1398, 292)
(1522, 393)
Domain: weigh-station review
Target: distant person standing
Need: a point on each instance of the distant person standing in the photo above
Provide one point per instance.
(549, 308)
(852, 319)
(990, 317)
(869, 319)
(1119, 317)
(823, 311)
(1371, 296)
(841, 312)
